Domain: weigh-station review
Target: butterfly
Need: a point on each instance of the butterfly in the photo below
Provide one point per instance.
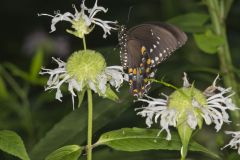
(143, 47)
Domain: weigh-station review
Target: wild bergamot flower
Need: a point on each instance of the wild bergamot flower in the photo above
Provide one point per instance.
(190, 106)
(235, 141)
(83, 21)
(84, 69)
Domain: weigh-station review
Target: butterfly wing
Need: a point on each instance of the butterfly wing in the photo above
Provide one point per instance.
(143, 47)
(138, 67)
(159, 39)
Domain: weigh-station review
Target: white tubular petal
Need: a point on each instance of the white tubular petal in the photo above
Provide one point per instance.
(58, 95)
(192, 120)
(102, 81)
(105, 25)
(235, 141)
(185, 81)
(115, 74)
(157, 109)
(92, 86)
(95, 10)
(218, 103)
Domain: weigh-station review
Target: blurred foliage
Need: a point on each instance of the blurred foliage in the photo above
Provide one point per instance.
(46, 124)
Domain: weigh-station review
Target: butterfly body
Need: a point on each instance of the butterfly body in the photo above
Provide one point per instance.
(143, 47)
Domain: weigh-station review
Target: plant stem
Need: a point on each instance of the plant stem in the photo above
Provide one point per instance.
(90, 118)
(84, 43)
(218, 14)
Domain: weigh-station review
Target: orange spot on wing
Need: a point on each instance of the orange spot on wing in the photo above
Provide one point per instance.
(134, 71)
(130, 81)
(143, 50)
(149, 61)
(130, 70)
(135, 90)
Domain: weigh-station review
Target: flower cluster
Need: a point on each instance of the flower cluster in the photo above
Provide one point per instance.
(83, 69)
(189, 104)
(83, 21)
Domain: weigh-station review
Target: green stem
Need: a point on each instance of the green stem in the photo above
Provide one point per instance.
(84, 43)
(182, 158)
(218, 14)
(90, 119)
(170, 86)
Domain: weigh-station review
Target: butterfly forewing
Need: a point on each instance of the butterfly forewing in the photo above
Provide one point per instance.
(143, 47)
(160, 39)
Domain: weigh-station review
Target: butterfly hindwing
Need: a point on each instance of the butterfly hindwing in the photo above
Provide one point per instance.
(138, 67)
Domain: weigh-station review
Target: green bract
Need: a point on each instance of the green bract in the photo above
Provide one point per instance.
(80, 28)
(182, 101)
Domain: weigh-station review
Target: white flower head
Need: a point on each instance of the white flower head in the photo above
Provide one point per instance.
(84, 69)
(235, 141)
(83, 21)
(190, 106)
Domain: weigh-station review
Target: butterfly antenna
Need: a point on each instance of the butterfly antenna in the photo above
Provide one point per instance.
(129, 12)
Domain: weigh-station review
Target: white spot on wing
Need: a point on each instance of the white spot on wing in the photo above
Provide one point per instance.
(152, 74)
(151, 50)
(151, 32)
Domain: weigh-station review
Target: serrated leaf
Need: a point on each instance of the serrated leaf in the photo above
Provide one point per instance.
(74, 125)
(11, 143)
(190, 22)
(70, 152)
(138, 139)
(208, 42)
(36, 65)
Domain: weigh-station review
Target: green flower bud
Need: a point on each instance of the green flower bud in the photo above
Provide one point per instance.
(86, 65)
(183, 100)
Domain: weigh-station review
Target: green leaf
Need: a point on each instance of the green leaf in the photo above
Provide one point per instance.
(190, 22)
(74, 125)
(138, 139)
(36, 65)
(11, 143)
(208, 41)
(70, 152)
(16, 71)
(3, 90)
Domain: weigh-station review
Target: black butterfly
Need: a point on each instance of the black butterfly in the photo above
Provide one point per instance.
(143, 47)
